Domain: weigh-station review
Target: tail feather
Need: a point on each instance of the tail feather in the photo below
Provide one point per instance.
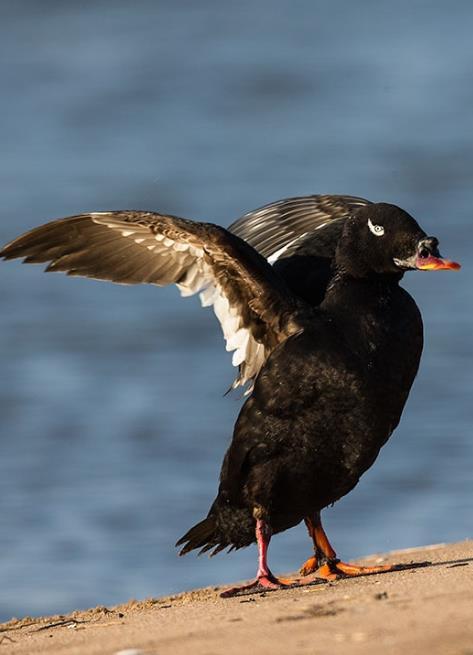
(217, 549)
(225, 526)
(201, 536)
(205, 549)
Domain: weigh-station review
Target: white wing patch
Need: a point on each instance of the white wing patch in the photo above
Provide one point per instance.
(247, 352)
(276, 255)
(377, 230)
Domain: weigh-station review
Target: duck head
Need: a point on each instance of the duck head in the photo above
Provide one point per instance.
(384, 239)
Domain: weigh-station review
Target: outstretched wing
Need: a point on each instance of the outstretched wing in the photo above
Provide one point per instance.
(308, 224)
(250, 300)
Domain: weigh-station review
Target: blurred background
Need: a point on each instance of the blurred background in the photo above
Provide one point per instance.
(113, 424)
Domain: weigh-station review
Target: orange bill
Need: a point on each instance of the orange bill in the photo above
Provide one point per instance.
(432, 263)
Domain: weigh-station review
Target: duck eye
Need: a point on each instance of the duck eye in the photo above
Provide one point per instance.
(377, 230)
(424, 253)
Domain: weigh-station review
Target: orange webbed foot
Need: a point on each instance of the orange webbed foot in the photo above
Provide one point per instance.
(337, 570)
(310, 566)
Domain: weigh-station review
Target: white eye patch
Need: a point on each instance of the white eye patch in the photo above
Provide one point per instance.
(377, 230)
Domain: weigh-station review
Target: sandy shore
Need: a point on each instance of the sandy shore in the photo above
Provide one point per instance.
(421, 610)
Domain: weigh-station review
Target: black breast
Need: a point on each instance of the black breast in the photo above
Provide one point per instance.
(323, 406)
(306, 275)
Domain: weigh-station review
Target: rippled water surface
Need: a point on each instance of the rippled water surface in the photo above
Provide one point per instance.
(113, 424)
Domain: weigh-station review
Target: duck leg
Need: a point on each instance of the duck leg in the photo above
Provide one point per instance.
(325, 563)
(265, 580)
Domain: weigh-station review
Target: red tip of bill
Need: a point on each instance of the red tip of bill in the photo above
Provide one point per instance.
(436, 264)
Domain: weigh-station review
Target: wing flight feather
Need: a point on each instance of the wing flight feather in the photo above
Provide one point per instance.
(252, 303)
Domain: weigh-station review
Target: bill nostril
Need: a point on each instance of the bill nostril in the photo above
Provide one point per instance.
(431, 242)
(427, 247)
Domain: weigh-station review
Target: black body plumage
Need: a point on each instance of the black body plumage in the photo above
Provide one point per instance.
(325, 402)
(327, 337)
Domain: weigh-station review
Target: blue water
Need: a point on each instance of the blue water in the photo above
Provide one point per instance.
(113, 424)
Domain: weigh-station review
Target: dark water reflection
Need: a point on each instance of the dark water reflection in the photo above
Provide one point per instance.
(112, 420)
